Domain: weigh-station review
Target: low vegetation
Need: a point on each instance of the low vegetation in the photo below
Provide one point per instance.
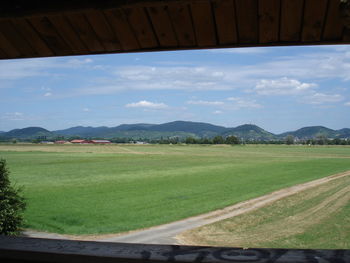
(316, 218)
(92, 189)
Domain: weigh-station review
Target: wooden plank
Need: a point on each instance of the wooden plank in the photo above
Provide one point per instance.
(269, 21)
(50, 35)
(333, 27)
(122, 29)
(225, 19)
(16, 39)
(314, 18)
(3, 55)
(162, 26)
(8, 48)
(23, 249)
(85, 32)
(291, 20)
(203, 24)
(68, 34)
(247, 21)
(142, 27)
(182, 22)
(103, 30)
(27, 31)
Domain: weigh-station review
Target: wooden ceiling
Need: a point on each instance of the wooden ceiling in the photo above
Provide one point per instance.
(36, 28)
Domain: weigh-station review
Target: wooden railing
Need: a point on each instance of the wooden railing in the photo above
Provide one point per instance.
(21, 249)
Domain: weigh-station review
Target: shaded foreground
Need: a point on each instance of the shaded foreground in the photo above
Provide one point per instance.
(46, 250)
(113, 189)
(316, 218)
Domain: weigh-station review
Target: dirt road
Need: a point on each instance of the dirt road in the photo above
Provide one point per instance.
(166, 234)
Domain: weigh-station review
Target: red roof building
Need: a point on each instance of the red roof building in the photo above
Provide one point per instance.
(80, 141)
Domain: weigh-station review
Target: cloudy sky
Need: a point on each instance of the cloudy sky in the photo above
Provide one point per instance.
(279, 89)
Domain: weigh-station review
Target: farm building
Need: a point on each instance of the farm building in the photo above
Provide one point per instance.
(61, 142)
(80, 141)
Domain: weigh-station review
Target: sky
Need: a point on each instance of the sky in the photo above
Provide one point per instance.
(277, 88)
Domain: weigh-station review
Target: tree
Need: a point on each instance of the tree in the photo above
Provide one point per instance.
(12, 204)
(218, 140)
(290, 139)
(231, 140)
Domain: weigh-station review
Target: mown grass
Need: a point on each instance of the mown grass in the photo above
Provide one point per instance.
(317, 218)
(110, 189)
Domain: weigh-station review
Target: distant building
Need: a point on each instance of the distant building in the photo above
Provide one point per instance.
(80, 141)
(46, 142)
(100, 142)
(61, 142)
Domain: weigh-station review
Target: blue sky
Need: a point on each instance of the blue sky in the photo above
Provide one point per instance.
(279, 88)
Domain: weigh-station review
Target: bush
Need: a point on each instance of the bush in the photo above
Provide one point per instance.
(12, 204)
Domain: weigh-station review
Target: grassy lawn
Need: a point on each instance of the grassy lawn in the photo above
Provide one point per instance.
(114, 188)
(318, 218)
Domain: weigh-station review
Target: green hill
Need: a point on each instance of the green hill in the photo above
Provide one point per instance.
(250, 132)
(28, 133)
(311, 132)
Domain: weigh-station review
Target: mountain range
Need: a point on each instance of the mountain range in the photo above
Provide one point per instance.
(181, 129)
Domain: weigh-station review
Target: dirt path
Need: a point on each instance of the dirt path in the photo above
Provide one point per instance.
(166, 234)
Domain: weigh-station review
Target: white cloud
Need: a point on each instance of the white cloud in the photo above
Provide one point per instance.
(244, 103)
(79, 62)
(321, 98)
(347, 103)
(146, 104)
(47, 94)
(86, 109)
(217, 112)
(282, 86)
(204, 102)
(13, 116)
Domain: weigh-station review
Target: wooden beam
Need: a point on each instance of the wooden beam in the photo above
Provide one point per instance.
(247, 21)
(183, 26)
(203, 23)
(314, 19)
(101, 27)
(121, 27)
(225, 19)
(68, 34)
(269, 20)
(333, 27)
(162, 25)
(19, 249)
(85, 32)
(27, 31)
(142, 27)
(16, 39)
(291, 20)
(50, 35)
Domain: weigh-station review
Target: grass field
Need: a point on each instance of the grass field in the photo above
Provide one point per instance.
(87, 189)
(316, 218)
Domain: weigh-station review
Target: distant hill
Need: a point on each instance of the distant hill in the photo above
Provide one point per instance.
(28, 133)
(180, 129)
(83, 131)
(311, 132)
(250, 132)
(343, 133)
(201, 129)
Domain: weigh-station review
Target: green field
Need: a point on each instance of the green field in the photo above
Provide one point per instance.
(316, 218)
(89, 189)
